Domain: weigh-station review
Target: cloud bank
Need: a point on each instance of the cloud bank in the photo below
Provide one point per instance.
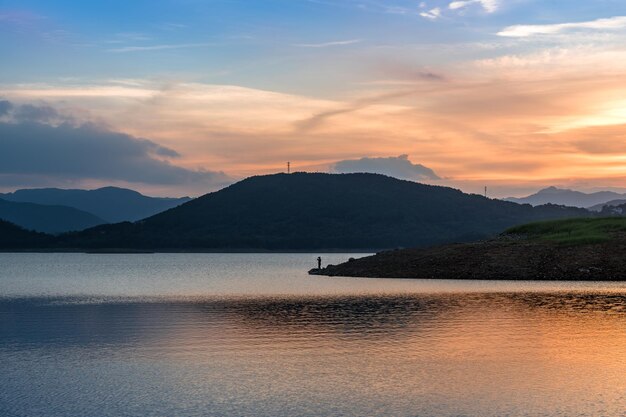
(398, 167)
(503, 122)
(39, 144)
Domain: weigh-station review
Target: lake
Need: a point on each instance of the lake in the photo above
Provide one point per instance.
(254, 335)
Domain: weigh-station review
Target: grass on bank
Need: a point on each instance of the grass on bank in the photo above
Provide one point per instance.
(578, 231)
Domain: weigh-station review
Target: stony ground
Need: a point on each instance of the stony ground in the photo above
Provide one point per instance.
(509, 258)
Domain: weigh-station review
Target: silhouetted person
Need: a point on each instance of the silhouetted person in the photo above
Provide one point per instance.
(319, 262)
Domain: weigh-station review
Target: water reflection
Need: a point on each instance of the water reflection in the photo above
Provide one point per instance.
(487, 354)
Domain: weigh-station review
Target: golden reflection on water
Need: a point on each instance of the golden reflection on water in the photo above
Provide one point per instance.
(487, 354)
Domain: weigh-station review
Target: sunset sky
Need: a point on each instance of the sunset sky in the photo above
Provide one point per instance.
(182, 97)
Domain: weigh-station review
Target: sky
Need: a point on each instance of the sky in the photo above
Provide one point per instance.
(184, 97)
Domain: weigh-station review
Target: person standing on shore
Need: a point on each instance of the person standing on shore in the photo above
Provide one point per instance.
(319, 262)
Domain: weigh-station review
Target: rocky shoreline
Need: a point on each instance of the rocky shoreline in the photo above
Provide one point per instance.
(503, 258)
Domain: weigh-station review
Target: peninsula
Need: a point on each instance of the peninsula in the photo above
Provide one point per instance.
(585, 249)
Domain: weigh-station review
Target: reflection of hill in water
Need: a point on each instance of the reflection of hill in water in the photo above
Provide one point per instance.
(490, 354)
(573, 303)
(72, 322)
(359, 317)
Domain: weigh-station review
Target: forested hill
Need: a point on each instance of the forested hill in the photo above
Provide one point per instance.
(14, 237)
(317, 211)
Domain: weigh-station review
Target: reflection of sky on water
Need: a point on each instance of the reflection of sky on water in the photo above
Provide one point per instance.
(520, 353)
(214, 275)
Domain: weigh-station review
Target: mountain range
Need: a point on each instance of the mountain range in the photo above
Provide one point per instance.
(305, 211)
(553, 195)
(54, 210)
(52, 219)
(111, 204)
(607, 206)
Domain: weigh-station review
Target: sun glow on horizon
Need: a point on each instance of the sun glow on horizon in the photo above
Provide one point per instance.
(542, 107)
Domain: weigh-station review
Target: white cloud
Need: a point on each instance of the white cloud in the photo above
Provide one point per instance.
(490, 6)
(460, 4)
(327, 44)
(432, 14)
(521, 31)
(398, 167)
(158, 47)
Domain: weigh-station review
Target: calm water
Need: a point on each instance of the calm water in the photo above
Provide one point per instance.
(253, 335)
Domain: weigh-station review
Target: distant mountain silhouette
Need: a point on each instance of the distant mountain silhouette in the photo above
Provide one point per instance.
(109, 203)
(47, 219)
(15, 237)
(561, 196)
(612, 210)
(304, 211)
(609, 204)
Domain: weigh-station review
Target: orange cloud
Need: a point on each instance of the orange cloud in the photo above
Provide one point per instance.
(554, 117)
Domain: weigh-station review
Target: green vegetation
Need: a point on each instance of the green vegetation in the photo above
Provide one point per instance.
(578, 249)
(577, 231)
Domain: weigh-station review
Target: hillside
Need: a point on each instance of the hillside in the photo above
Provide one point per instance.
(15, 237)
(47, 218)
(573, 249)
(608, 205)
(111, 204)
(306, 211)
(571, 198)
